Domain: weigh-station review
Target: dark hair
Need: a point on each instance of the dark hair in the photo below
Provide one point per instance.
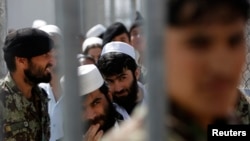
(10, 62)
(184, 12)
(101, 36)
(114, 63)
(104, 89)
(114, 30)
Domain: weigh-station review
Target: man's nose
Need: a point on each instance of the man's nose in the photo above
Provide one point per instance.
(90, 114)
(117, 86)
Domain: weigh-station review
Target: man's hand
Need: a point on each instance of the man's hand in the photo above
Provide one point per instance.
(93, 134)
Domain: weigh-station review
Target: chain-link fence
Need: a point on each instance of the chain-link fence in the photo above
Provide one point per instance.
(245, 83)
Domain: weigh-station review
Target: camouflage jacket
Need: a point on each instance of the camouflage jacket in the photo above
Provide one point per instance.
(243, 108)
(22, 119)
(182, 127)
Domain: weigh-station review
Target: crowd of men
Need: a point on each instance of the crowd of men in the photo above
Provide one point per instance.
(205, 53)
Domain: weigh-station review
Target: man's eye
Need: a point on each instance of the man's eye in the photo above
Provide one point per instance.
(122, 78)
(135, 34)
(96, 102)
(236, 40)
(108, 81)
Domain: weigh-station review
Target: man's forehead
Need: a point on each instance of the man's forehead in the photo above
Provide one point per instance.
(116, 76)
(209, 22)
(87, 99)
(236, 26)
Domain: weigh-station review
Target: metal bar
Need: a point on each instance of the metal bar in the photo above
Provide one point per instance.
(154, 57)
(3, 32)
(112, 11)
(68, 18)
(133, 9)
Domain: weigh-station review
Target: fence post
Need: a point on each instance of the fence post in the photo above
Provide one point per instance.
(68, 19)
(3, 33)
(155, 65)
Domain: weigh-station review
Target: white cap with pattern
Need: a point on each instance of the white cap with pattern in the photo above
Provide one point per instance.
(119, 47)
(91, 41)
(96, 31)
(90, 79)
(51, 29)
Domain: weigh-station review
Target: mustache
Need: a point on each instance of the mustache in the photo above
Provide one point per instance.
(94, 121)
(87, 123)
(120, 92)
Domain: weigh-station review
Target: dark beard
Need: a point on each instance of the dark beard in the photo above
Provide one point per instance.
(128, 102)
(37, 78)
(109, 120)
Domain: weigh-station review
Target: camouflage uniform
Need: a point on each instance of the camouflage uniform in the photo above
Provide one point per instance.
(22, 119)
(182, 127)
(243, 108)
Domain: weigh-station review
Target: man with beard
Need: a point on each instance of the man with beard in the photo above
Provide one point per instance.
(99, 114)
(118, 66)
(23, 105)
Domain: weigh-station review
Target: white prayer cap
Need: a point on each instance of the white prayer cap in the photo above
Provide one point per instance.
(91, 41)
(90, 79)
(51, 29)
(119, 47)
(38, 23)
(95, 31)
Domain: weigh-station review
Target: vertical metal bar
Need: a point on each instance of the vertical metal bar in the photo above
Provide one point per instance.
(112, 11)
(155, 64)
(82, 15)
(68, 18)
(3, 32)
(133, 9)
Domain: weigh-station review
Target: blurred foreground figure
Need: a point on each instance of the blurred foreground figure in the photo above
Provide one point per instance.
(205, 53)
(23, 105)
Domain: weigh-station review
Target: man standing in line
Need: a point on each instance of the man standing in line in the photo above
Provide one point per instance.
(118, 66)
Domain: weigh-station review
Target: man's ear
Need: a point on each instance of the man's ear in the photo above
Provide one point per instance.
(137, 73)
(21, 62)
